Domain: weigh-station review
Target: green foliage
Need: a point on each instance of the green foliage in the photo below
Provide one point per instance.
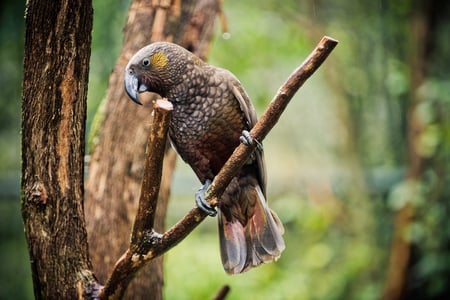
(11, 35)
(320, 261)
(338, 219)
(336, 160)
(109, 20)
(15, 273)
(268, 54)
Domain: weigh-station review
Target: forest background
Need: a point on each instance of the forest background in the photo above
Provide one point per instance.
(364, 141)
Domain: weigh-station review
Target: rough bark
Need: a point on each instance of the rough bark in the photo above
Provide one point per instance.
(56, 65)
(117, 160)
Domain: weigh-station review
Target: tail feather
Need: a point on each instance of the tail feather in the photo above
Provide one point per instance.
(233, 251)
(244, 246)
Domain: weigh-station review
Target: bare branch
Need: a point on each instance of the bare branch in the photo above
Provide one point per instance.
(270, 117)
(147, 244)
(162, 110)
(142, 236)
(222, 293)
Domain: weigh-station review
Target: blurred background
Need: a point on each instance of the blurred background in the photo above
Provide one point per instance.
(363, 144)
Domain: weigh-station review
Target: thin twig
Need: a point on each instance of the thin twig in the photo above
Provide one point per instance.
(146, 244)
(222, 293)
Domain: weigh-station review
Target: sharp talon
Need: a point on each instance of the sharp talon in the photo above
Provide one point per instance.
(246, 139)
(201, 201)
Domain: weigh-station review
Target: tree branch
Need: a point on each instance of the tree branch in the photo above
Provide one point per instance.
(143, 235)
(145, 243)
(222, 293)
(270, 117)
(162, 110)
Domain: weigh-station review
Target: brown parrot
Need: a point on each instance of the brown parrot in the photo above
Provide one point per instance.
(211, 115)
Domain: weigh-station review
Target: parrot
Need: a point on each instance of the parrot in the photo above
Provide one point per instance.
(212, 114)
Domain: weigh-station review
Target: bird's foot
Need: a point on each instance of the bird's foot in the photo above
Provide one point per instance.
(201, 201)
(246, 139)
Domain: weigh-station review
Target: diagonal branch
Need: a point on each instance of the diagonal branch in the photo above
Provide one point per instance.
(270, 117)
(145, 243)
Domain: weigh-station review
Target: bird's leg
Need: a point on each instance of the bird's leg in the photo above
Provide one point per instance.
(201, 201)
(246, 139)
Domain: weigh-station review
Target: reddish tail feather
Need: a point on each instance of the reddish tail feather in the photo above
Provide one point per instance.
(259, 240)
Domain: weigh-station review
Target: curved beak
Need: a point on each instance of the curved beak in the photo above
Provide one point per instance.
(133, 86)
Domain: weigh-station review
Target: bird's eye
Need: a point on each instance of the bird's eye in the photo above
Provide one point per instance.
(146, 62)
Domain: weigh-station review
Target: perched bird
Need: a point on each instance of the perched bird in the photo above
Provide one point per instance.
(211, 110)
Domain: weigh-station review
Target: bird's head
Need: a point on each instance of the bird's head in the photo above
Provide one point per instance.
(156, 68)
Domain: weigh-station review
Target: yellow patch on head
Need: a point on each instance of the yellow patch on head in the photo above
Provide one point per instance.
(159, 60)
(197, 61)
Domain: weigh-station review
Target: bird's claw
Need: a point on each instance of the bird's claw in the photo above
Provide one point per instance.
(201, 201)
(246, 139)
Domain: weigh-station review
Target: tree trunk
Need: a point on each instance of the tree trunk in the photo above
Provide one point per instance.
(400, 256)
(116, 166)
(56, 66)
